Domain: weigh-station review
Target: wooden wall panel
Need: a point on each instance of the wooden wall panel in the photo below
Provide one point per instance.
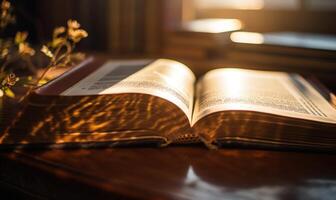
(131, 27)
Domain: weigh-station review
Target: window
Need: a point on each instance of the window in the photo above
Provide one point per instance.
(270, 15)
(248, 4)
(267, 4)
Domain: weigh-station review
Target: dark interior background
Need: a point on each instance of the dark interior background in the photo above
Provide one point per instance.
(138, 26)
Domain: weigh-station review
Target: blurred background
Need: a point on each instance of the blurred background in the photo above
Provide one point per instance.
(291, 35)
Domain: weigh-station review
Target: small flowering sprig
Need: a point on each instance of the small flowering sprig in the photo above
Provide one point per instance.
(60, 48)
(60, 52)
(12, 49)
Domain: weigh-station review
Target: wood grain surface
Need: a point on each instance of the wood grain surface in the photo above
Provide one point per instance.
(174, 172)
(171, 173)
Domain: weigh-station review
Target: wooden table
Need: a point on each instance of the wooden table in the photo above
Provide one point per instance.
(176, 172)
(170, 173)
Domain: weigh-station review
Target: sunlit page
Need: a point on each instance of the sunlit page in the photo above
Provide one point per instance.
(269, 92)
(164, 78)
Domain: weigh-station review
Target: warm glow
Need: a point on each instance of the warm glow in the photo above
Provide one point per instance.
(247, 37)
(231, 4)
(248, 5)
(233, 82)
(213, 25)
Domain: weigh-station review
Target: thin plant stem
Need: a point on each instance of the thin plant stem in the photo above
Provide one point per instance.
(29, 92)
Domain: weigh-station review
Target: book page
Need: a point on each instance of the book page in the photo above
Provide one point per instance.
(164, 78)
(278, 93)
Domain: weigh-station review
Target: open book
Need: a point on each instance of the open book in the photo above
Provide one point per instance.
(133, 101)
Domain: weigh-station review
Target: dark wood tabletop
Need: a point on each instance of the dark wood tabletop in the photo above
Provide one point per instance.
(170, 173)
(174, 172)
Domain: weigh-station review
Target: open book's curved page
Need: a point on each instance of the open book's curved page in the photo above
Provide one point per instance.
(164, 78)
(276, 93)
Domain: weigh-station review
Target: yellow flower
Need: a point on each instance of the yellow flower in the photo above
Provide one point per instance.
(25, 49)
(73, 24)
(20, 37)
(58, 31)
(77, 35)
(46, 51)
